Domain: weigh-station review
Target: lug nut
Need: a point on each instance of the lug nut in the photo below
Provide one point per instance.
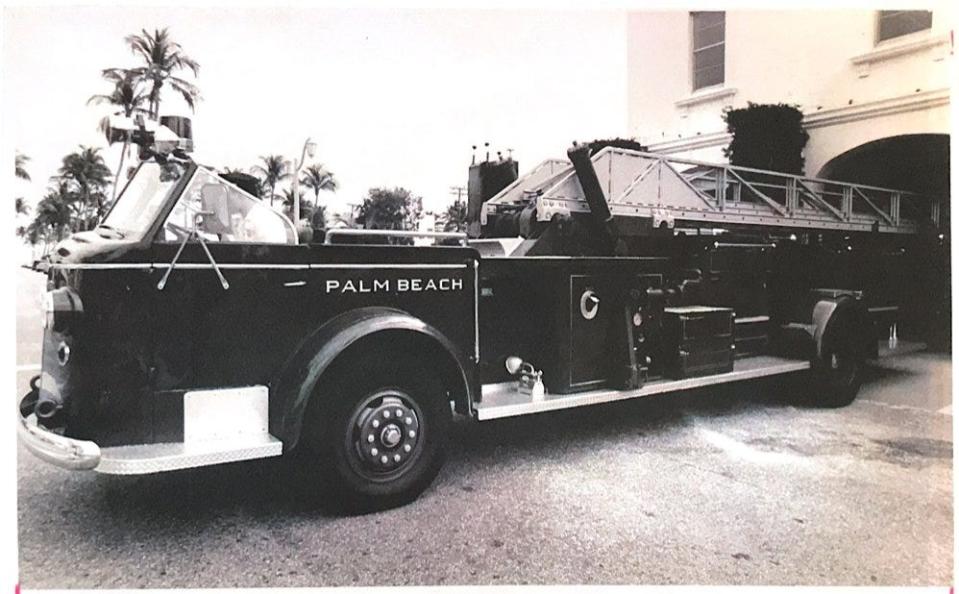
(407, 448)
(370, 438)
(409, 421)
(396, 458)
(412, 434)
(386, 414)
(384, 460)
(376, 423)
(374, 452)
(399, 413)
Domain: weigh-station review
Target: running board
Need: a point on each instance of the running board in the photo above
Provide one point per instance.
(161, 457)
(219, 426)
(504, 400)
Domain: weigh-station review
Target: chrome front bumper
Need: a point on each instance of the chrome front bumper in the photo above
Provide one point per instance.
(74, 454)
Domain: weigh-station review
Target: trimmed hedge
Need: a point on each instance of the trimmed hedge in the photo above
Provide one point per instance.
(623, 143)
(766, 136)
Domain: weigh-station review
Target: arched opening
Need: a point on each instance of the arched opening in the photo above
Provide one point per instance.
(917, 163)
(914, 162)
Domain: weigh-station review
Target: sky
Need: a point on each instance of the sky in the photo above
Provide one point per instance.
(391, 97)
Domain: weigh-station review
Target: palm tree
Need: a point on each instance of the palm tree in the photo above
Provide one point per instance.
(54, 216)
(306, 210)
(84, 176)
(318, 178)
(162, 58)
(273, 171)
(20, 170)
(129, 97)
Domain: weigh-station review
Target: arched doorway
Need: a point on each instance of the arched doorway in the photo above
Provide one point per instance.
(917, 163)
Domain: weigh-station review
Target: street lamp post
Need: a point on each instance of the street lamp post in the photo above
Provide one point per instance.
(309, 149)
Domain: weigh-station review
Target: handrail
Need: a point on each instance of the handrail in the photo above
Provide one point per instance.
(752, 170)
(775, 198)
(461, 237)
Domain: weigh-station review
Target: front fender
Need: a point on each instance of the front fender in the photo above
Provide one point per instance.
(290, 393)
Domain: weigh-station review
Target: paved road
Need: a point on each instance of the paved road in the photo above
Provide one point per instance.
(729, 486)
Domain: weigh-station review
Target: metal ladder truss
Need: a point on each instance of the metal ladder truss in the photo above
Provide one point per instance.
(669, 189)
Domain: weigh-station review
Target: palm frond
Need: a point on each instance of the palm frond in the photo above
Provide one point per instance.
(20, 166)
(162, 57)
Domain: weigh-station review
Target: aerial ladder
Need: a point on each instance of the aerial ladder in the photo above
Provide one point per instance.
(663, 192)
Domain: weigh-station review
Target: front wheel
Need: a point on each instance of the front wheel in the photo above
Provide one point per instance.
(377, 432)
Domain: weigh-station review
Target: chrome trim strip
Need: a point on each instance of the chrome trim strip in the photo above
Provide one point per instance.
(503, 400)
(207, 266)
(100, 266)
(752, 320)
(885, 308)
(399, 266)
(476, 328)
(195, 266)
(73, 454)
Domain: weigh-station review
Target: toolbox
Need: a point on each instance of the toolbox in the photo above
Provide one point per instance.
(697, 340)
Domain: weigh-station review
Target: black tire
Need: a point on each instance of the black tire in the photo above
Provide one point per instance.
(348, 409)
(838, 369)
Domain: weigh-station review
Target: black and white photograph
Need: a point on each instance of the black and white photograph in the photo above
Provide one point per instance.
(534, 295)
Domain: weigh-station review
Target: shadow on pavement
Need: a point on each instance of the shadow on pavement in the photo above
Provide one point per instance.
(281, 487)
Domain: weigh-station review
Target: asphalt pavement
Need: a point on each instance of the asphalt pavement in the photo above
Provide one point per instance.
(734, 485)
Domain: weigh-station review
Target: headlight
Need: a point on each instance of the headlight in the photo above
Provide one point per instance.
(61, 309)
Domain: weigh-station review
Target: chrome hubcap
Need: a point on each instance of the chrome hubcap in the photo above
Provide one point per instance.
(391, 435)
(386, 432)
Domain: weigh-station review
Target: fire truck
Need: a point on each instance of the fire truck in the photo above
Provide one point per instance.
(195, 326)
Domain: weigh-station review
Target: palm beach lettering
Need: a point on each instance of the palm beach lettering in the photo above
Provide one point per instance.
(396, 285)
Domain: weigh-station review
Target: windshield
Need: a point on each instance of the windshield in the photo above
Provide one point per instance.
(227, 213)
(140, 203)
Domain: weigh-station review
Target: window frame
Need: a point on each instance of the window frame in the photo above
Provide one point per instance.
(878, 26)
(693, 50)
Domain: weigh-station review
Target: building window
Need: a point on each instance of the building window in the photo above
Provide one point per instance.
(709, 48)
(896, 23)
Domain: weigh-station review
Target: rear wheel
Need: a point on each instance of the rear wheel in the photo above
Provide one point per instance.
(838, 369)
(377, 430)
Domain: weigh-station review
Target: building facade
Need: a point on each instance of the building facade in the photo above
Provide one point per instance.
(874, 86)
